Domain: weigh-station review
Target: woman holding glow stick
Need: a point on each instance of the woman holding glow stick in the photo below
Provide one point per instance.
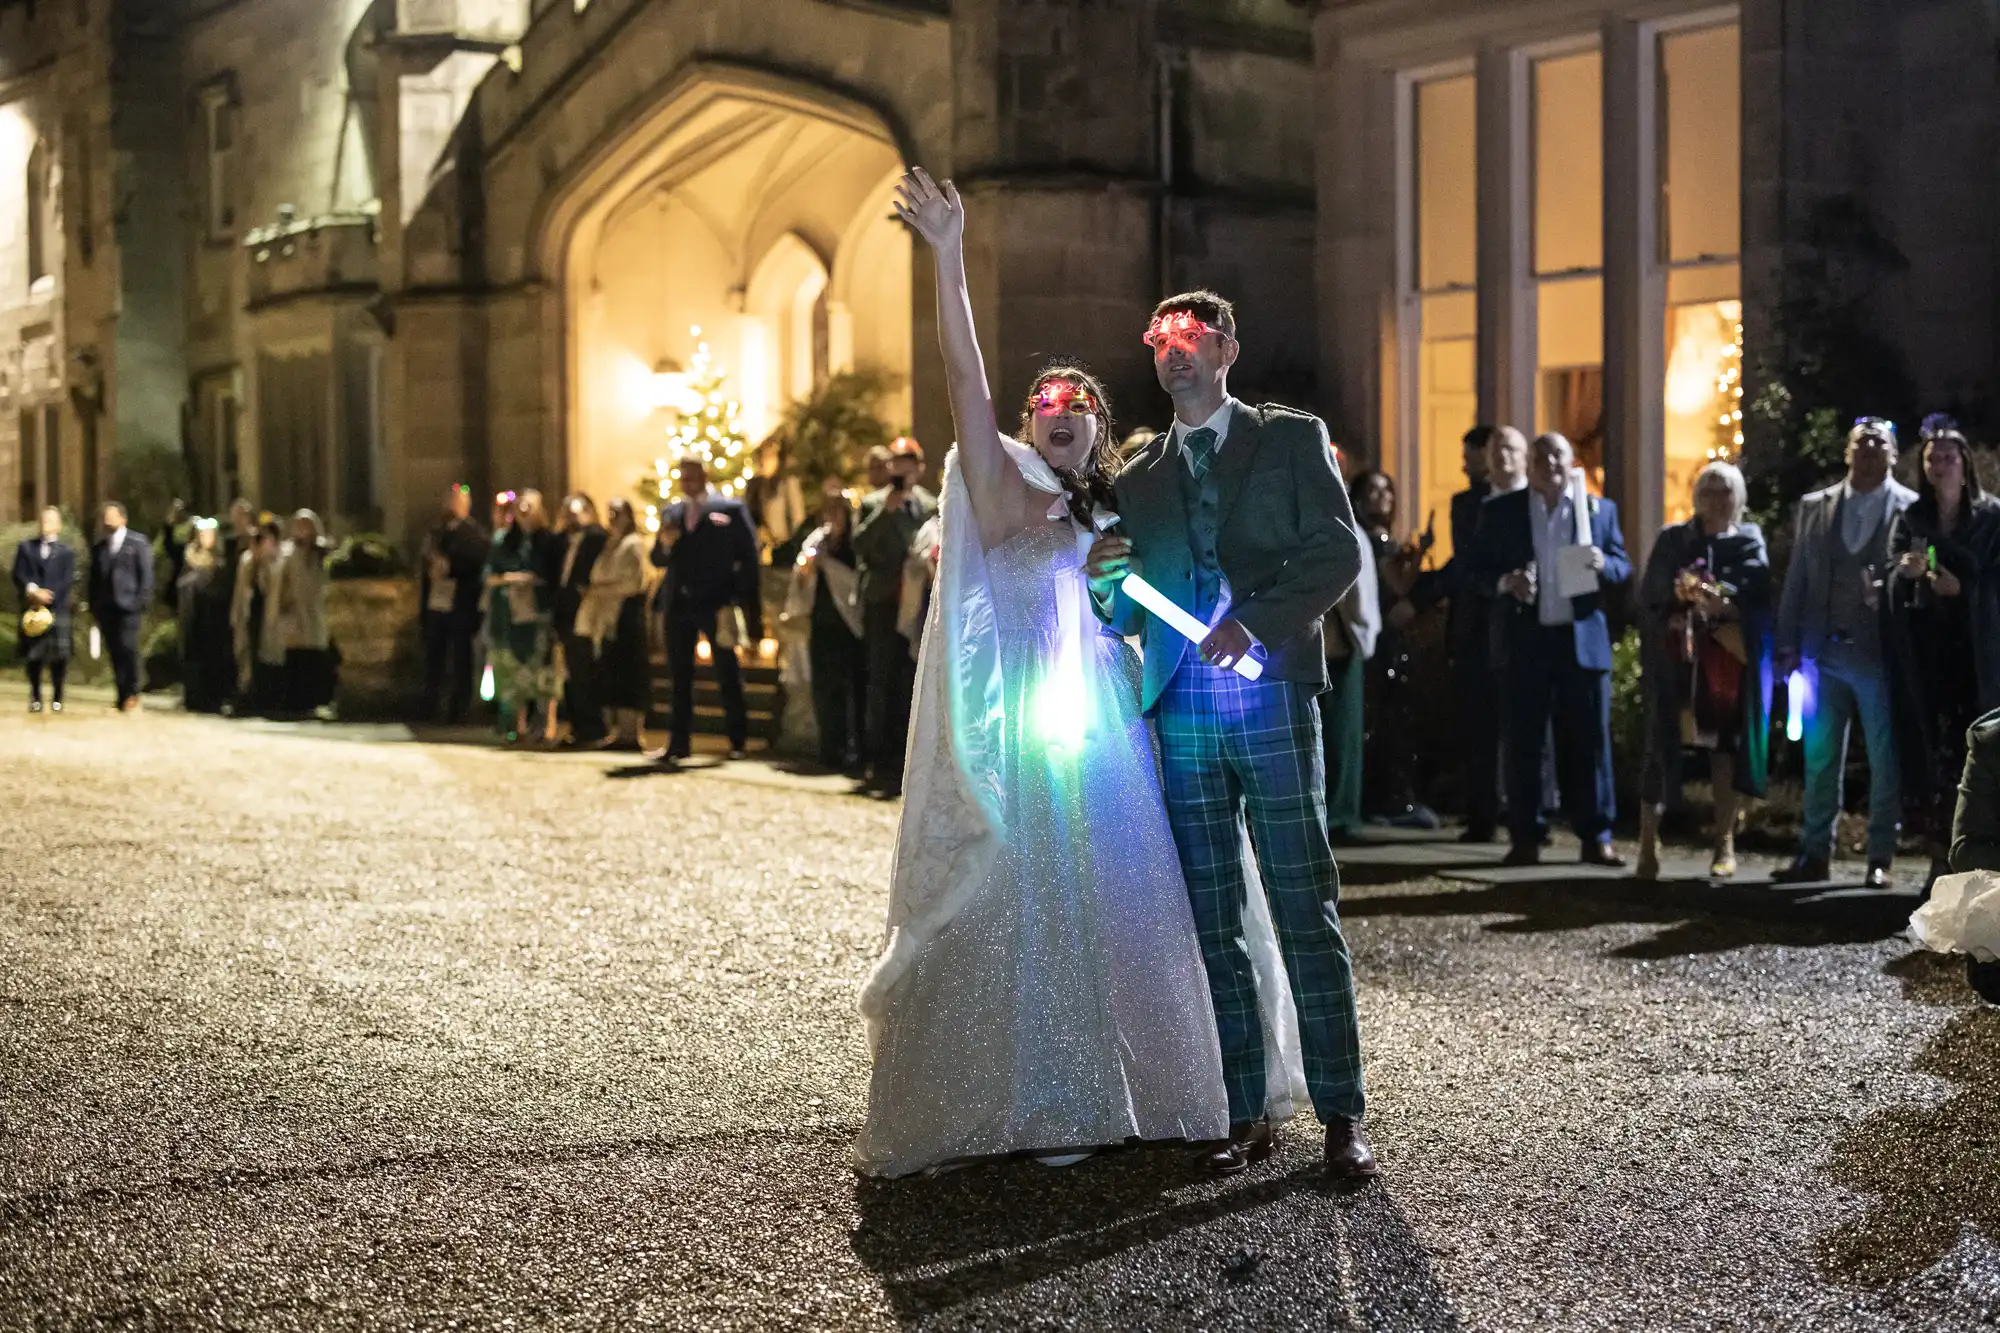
(1042, 990)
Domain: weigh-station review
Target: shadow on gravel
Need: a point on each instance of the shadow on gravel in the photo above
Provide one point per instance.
(971, 1237)
(1934, 1171)
(1693, 917)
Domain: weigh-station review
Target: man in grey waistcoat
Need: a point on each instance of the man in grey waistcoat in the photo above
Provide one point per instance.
(1239, 515)
(1831, 623)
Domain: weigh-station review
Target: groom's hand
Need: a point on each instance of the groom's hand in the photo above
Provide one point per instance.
(1227, 644)
(1110, 561)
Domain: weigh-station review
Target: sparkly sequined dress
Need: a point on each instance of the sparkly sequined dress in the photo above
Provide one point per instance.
(1065, 1004)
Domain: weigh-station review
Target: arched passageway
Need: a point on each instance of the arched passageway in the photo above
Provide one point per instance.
(759, 218)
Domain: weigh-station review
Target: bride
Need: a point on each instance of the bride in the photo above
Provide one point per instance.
(1042, 990)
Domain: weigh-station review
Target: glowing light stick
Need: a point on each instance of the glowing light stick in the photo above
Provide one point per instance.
(1795, 701)
(486, 684)
(1146, 595)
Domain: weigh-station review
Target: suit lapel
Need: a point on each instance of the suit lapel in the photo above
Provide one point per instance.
(1239, 452)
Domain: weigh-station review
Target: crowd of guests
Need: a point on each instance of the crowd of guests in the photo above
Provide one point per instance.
(251, 609)
(1885, 622)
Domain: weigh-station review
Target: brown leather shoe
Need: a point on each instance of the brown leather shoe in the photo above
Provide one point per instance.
(1249, 1141)
(1349, 1155)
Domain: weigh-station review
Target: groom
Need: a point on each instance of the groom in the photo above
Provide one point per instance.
(1239, 515)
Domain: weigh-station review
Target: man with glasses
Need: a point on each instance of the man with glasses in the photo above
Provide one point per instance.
(1831, 626)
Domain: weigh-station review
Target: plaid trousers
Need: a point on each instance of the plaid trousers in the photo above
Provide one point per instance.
(1231, 747)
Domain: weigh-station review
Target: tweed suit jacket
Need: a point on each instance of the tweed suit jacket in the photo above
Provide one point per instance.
(1802, 626)
(1285, 540)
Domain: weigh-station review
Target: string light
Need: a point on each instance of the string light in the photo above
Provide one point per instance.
(711, 431)
(1729, 389)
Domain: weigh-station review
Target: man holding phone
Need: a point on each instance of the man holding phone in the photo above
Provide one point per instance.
(887, 526)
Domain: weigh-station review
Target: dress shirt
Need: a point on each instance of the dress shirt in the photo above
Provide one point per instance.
(1861, 514)
(692, 510)
(1554, 527)
(1219, 423)
(117, 539)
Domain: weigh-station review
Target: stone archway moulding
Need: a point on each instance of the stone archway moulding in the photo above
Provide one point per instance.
(622, 153)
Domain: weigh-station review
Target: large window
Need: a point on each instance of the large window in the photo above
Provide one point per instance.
(1701, 222)
(218, 118)
(1446, 252)
(1569, 252)
(37, 193)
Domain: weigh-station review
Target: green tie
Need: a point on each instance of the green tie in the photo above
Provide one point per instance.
(1200, 445)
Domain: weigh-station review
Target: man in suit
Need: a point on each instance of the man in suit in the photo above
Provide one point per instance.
(1831, 621)
(451, 581)
(121, 588)
(1556, 650)
(583, 541)
(883, 533)
(1466, 626)
(708, 547)
(1240, 516)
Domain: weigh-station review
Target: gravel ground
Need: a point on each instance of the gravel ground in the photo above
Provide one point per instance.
(300, 1031)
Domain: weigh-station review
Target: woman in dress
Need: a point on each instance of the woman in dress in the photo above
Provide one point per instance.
(253, 621)
(1389, 781)
(519, 613)
(309, 657)
(1042, 990)
(1945, 595)
(44, 578)
(202, 593)
(613, 618)
(1706, 600)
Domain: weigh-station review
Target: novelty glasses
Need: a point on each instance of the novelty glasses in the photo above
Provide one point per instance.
(1059, 396)
(1178, 329)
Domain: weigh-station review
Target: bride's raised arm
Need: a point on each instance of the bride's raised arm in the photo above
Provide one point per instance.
(937, 215)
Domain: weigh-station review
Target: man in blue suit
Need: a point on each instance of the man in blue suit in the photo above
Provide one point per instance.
(1555, 651)
(121, 588)
(708, 547)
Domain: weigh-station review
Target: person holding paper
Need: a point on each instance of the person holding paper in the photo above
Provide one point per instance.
(1548, 550)
(1239, 515)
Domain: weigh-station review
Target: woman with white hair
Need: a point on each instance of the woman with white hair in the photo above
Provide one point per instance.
(1706, 603)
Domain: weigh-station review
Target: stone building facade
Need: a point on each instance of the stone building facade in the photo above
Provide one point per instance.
(345, 252)
(368, 248)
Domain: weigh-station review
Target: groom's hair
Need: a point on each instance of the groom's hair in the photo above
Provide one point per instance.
(1209, 307)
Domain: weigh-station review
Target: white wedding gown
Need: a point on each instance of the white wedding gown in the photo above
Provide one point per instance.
(1044, 989)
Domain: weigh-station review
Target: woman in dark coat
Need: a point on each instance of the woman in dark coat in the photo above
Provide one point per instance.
(613, 618)
(1389, 781)
(1945, 597)
(44, 577)
(1706, 601)
(208, 657)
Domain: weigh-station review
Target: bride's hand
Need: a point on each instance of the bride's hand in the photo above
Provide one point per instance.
(934, 214)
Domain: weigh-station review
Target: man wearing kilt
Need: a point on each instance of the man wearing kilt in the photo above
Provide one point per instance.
(1239, 515)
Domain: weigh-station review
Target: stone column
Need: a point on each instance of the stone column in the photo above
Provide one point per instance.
(1635, 284)
(1054, 150)
(1507, 330)
(1359, 287)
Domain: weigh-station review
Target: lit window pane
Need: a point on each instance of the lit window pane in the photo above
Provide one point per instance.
(1701, 87)
(1569, 320)
(1447, 203)
(1448, 391)
(1569, 163)
(1704, 417)
(1447, 222)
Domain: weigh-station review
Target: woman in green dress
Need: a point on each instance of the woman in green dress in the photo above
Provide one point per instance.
(519, 607)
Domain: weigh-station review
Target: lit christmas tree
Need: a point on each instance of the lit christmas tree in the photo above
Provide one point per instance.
(1729, 392)
(707, 430)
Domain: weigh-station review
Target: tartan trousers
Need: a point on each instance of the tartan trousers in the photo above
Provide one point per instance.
(1230, 747)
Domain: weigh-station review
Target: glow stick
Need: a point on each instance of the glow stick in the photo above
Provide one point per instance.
(1146, 595)
(1795, 700)
(486, 684)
